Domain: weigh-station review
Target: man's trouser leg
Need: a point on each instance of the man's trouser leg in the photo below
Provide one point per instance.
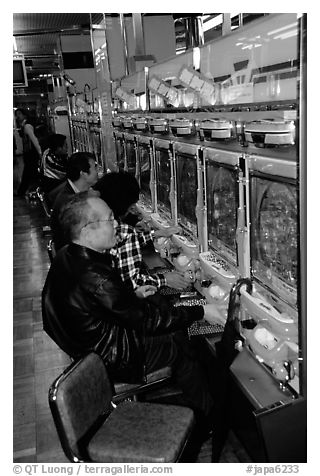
(174, 350)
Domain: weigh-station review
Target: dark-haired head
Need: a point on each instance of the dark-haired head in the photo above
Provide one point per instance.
(21, 115)
(56, 141)
(20, 110)
(77, 163)
(120, 190)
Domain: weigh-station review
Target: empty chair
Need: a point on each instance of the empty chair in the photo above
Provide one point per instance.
(92, 428)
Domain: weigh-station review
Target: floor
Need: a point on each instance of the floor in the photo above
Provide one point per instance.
(37, 361)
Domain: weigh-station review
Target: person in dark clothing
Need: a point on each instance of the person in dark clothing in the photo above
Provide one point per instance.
(31, 152)
(43, 133)
(81, 173)
(86, 307)
(120, 190)
(54, 162)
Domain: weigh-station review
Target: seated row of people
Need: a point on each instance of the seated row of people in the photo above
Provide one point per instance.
(98, 297)
(120, 190)
(88, 307)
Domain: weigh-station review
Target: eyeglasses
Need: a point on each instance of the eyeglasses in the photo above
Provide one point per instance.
(111, 219)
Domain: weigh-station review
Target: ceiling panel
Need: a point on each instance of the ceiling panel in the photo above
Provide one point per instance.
(37, 45)
(35, 21)
(37, 36)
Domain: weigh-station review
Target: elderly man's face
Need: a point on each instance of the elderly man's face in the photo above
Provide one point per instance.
(99, 233)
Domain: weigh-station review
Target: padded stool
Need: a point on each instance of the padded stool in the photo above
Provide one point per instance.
(137, 432)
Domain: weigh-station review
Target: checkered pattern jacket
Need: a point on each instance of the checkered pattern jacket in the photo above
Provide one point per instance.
(128, 258)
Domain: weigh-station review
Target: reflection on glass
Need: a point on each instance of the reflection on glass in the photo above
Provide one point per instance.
(274, 223)
(163, 177)
(144, 171)
(221, 206)
(186, 188)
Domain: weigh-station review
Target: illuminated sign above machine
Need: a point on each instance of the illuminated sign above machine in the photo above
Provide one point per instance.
(164, 89)
(125, 96)
(198, 83)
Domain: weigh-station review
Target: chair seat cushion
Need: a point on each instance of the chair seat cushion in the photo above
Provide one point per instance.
(137, 432)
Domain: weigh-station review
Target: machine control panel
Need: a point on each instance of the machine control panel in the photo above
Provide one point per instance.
(159, 222)
(266, 309)
(211, 261)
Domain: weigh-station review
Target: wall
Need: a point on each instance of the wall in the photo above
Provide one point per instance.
(159, 40)
(82, 76)
(159, 36)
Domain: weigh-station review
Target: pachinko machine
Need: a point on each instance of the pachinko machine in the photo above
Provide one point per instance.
(182, 127)
(130, 149)
(117, 122)
(120, 149)
(80, 134)
(269, 312)
(164, 215)
(223, 217)
(189, 195)
(158, 125)
(145, 175)
(217, 129)
(95, 137)
(270, 133)
(188, 209)
(164, 177)
(140, 123)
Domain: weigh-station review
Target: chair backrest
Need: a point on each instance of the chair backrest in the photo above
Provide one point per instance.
(78, 398)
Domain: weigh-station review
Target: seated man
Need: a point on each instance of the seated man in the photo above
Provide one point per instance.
(81, 174)
(120, 190)
(86, 307)
(54, 162)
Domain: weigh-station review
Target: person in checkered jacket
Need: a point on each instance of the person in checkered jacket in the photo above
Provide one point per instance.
(120, 190)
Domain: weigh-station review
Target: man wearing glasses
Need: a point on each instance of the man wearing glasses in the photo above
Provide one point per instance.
(87, 307)
(81, 175)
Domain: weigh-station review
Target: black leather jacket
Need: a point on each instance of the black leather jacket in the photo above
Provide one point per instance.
(86, 307)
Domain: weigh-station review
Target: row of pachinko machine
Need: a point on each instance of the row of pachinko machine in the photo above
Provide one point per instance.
(87, 136)
(232, 188)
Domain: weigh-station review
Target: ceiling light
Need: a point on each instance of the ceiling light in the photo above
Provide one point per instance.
(208, 25)
(285, 35)
(282, 28)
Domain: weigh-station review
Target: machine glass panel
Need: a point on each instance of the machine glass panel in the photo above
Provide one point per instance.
(187, 191)
(163, 179)
(144, 172)
(120, 153)
(274, 232)
(97, 149)
(222, 203)
(131, 156)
